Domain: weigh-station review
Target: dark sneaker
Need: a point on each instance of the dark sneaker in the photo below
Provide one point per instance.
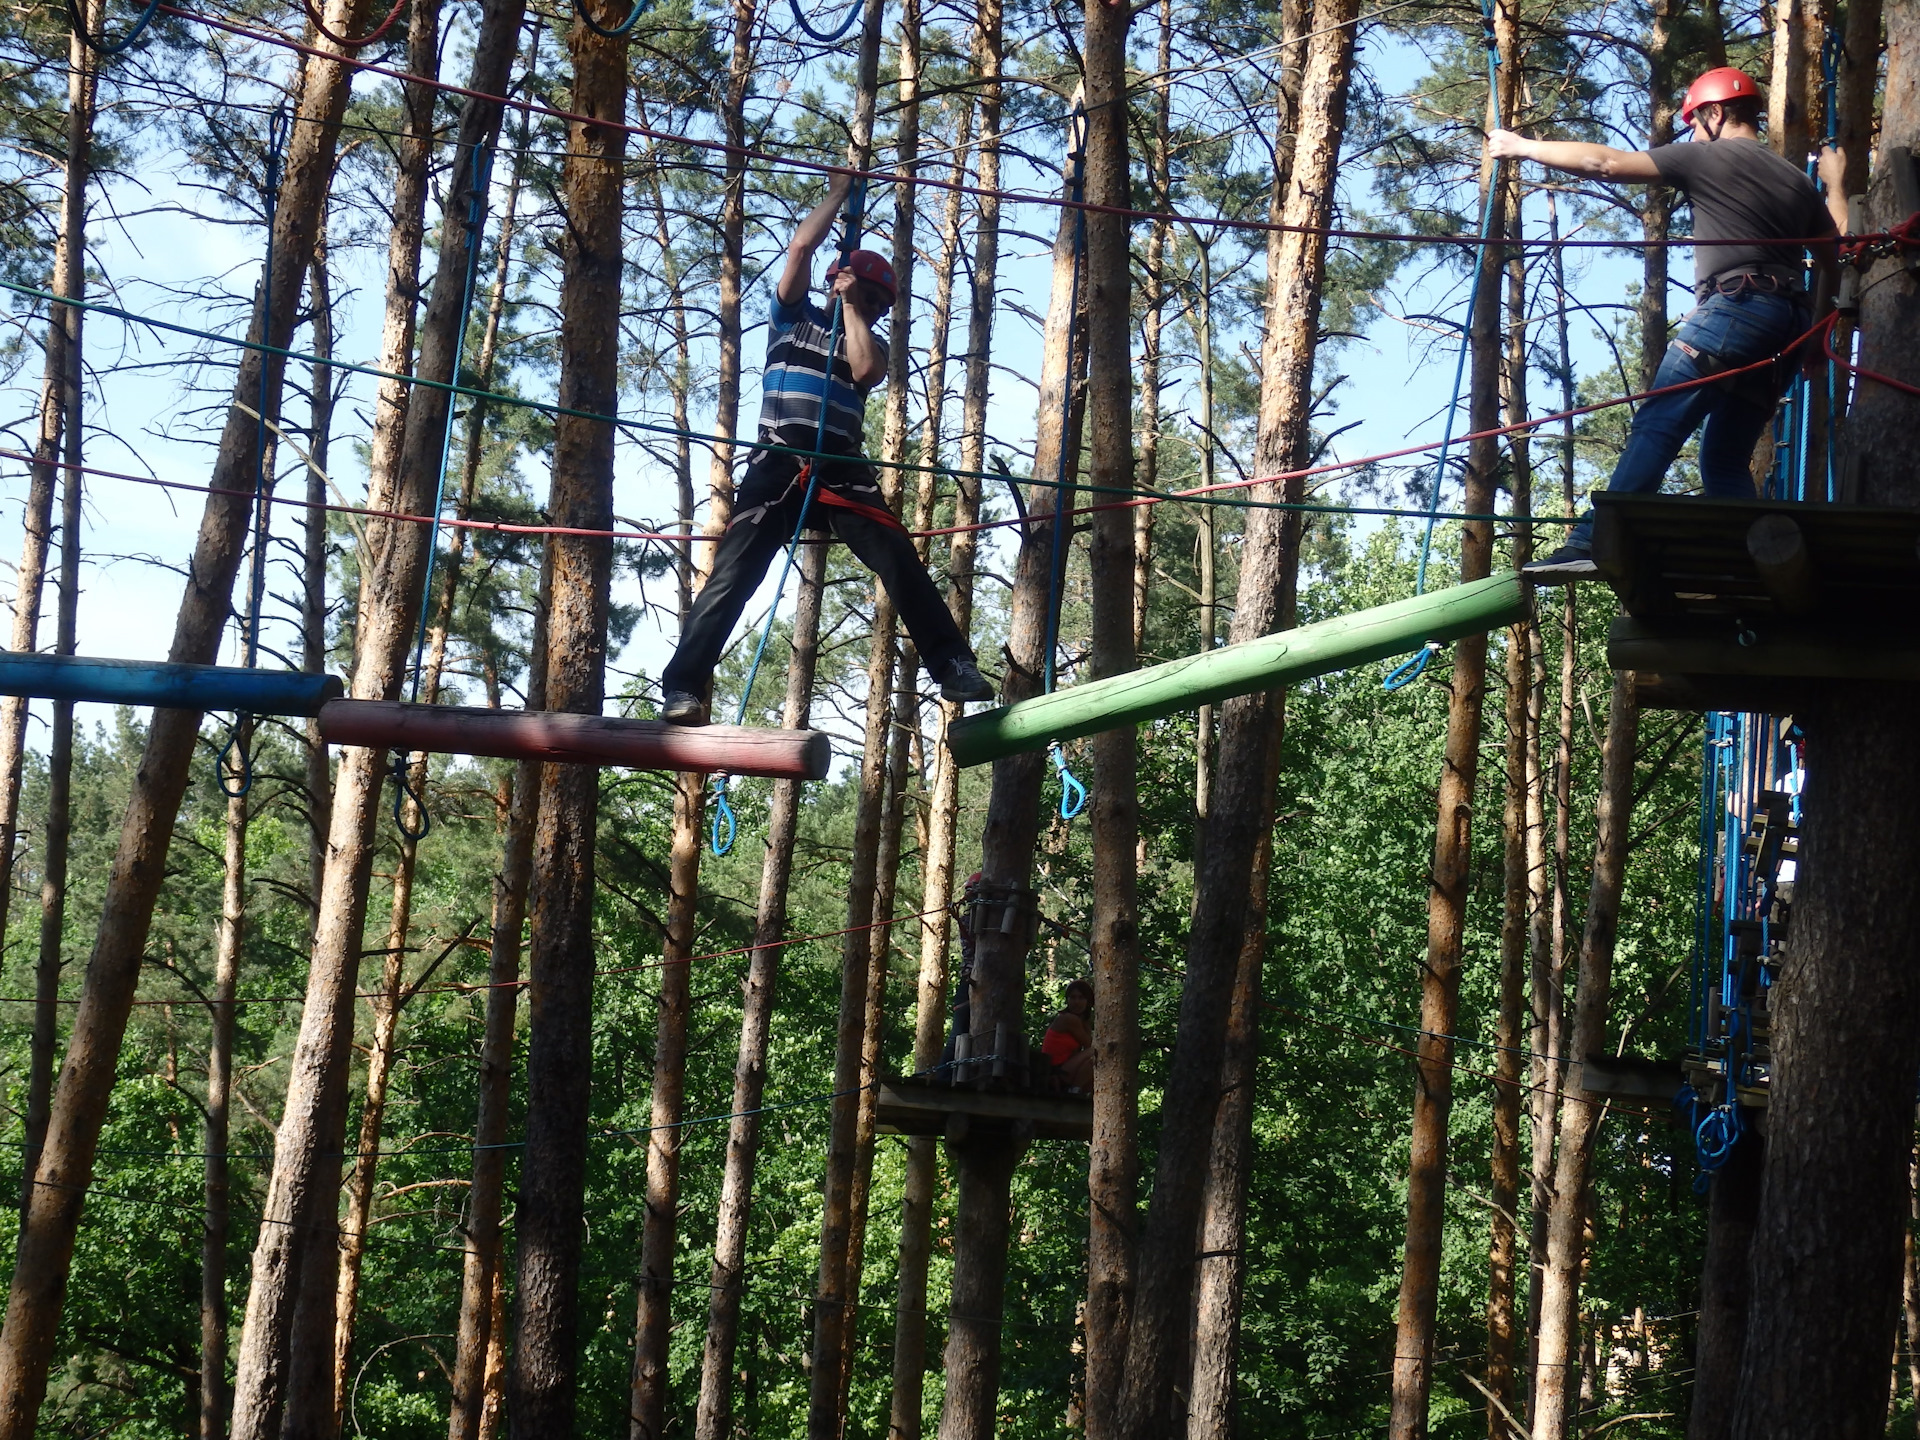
(683, 707)
(962, 681)
(1563, 567)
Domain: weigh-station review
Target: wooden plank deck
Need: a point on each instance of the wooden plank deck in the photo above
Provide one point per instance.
(1746, 604)
(915, 1107)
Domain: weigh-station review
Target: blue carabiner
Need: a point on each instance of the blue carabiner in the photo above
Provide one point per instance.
(1073, 795)
(1412, 668)
(722, 811)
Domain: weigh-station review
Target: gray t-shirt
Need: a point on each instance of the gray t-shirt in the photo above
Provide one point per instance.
(1741, 190)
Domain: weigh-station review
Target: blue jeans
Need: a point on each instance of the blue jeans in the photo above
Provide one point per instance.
(1733, 330)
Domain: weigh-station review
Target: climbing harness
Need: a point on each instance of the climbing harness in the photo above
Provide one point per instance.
(1411, 669)
(612, 32)
(1073, 794)
(262, 477)
(832, 37)
(103, 46)
(810, 471)
(479, 176)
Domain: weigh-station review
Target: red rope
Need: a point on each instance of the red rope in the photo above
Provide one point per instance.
(321, 25)
(1845, 364)
(1058, 202)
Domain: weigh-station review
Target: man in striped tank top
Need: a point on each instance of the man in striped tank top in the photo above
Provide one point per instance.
(801, 377)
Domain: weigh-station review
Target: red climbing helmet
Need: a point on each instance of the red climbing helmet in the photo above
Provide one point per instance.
(1725, 83)
(870, 266)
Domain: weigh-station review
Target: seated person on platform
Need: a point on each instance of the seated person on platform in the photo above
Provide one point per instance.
(1068, 1042)
(1751, 301)
(767, 505)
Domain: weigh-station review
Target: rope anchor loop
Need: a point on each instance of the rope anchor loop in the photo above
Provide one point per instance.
(1073, 795)
(1412, 668)
(722, 815)
(244, 769)
(401, 768)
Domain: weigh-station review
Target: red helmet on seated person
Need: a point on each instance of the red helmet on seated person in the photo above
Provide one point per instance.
(1715, 87)
(870, 266)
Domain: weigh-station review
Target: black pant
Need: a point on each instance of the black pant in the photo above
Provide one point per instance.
(766, 508)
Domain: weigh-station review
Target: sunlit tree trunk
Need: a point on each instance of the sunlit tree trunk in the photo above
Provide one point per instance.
(1153, 268)
(1243, 804)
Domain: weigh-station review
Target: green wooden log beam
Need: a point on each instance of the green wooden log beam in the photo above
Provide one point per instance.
(1263, 664)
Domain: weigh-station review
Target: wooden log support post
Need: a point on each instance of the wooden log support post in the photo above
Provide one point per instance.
(1243, 792)
(542, 1383)
(1846, 1017)
(45, 1252)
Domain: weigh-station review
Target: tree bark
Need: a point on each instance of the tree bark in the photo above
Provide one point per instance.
(80, 1102)
(1567, 1223)
(1413, 1350)
(1243, 798)
(60, 397)
(541, 1385)
(313, 570)
(1114, 1161)
(733, 233)
(1153, 318)
(280, 1365)
(1858, 82)
(1846, 1029)
(905, 1419)
(1726, 1289)
(1786, 95)
(984, 1165)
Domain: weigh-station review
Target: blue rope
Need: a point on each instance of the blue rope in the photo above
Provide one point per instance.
(849, 242)
(854, 8)
(1411, 670)
(257, 579)
(478, 179)
(112, 47)
(616, 32)
(1073, 794)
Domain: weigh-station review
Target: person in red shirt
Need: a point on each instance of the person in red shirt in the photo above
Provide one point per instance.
(1068, 1042)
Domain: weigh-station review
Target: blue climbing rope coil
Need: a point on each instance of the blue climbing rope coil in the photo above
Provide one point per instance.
(838, 33)
(612, 32)
(262, 474)
(1411, 669)
(1073, 794)
(849, 242)
(104, 46)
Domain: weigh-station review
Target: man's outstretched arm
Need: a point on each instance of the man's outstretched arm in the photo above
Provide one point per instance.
(1575, 157)
(798, 276)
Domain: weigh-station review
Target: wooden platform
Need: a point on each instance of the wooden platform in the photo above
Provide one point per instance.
(916, 1107)
(1746, 604)
(1628, 1077)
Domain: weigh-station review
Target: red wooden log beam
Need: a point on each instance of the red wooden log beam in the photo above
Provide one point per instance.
(576, 739)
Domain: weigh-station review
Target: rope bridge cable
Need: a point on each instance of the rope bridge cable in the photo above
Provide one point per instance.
(1073, 794)
(1411, 670)
(890, 177)
(810, 468)
(1908, 232)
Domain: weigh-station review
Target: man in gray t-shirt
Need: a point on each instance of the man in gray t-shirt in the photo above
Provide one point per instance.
(1755, 219)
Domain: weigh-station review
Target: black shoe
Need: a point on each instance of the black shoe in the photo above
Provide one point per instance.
(1563, 567)
(962, 681)
(683, 707)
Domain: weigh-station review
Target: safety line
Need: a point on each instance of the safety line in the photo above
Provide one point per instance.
(1021, 197)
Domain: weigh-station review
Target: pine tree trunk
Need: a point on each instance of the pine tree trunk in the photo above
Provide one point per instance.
(1114, 1160)
(80, 1103)
(226, 979)
(291, 1300)
(1413, 1350)
(313, 571)
(59, 416)
(1153, 318)
(989, 58)
(541, 1385)
(733, 233)
(1910, 1286)
(835, 1289)
(1786, 94)
(936, 888)
(1243, 806)
(983, 1166)
(1220, 1289)
(1726, 1289)
(1846, 1029)
(1567, 1222)
(482, 1283)
(1858, 83)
